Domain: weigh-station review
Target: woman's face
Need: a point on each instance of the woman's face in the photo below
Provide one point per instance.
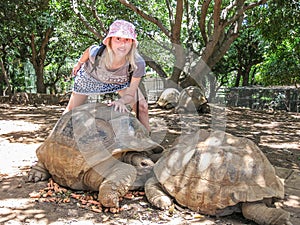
(121, 46)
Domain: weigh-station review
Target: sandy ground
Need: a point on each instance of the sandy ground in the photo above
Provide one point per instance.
(24, 128)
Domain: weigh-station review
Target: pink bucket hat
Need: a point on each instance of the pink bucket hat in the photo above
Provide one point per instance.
(123, 29)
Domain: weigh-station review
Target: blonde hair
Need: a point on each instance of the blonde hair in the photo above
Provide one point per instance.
(131, 56)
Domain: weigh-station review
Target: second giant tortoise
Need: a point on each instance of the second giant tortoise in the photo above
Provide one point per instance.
(216, 174)
(96, 148)
(192, 99)
(168, 98)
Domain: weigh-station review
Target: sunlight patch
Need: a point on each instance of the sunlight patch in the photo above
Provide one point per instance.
(15, 156)
(8, 126)
(16, 203)
(286, 145)
(267, 125)
(293, 201)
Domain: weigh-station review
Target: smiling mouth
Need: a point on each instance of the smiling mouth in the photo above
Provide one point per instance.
(122, 49)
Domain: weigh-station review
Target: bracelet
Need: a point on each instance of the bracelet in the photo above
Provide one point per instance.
(81, 62)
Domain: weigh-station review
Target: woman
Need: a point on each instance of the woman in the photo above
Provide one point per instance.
(111, 72)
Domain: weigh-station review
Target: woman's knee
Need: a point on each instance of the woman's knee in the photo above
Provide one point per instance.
(76, 100)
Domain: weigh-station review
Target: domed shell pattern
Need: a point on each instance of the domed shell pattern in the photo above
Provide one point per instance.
(207, 172)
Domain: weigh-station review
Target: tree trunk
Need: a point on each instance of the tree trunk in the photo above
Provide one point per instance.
(40, 85)
(179, 51)
(246, 76)
(238, 79)
(38, 59)
(8, 89)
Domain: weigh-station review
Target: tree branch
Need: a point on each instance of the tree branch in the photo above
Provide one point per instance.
(227, 9)
(147, 17)
(239, 12)
(217, 13)
(96, 16)
(204, 10)
(150, 62)
(252, 5)
(176, 29)
(44, 44)
(171, 18)
(74, 6)
(241, 8)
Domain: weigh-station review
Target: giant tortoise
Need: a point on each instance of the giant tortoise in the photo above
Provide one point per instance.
(168, 98)
(216, 174)
(96, 148)
(192, 99)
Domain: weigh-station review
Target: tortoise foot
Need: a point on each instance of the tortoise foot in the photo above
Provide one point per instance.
(110, 193)
(38, 173)
(110, 200)
(155, 195)
(116, 185)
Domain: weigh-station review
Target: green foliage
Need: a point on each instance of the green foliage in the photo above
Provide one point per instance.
(281, 30)
(266, 52)
(19, 44)
(270, 44)
(241, 60)
(281, 67)
(282, 20)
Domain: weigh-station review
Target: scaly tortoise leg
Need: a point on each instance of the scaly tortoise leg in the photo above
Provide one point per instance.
(261, 214)
(155, 194)
(116, 184)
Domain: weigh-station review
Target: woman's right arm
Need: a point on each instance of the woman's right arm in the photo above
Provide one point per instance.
(81, 61)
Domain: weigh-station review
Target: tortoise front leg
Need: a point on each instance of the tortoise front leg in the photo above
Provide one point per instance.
(38, 173)
(116, 184)
(156, 195)
(261, 214)
(143, 165)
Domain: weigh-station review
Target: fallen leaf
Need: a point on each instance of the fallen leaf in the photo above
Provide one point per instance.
(34, 195)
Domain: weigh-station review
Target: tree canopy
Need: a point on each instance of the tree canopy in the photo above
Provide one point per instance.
(183, 41)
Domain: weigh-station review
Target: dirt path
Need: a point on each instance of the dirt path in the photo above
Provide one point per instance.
(24, 128)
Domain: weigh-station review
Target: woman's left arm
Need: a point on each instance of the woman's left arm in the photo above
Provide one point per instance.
(127, 96)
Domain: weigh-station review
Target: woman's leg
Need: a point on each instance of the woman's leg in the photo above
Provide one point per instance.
(143, 111)
(75, 100)
(143, 108)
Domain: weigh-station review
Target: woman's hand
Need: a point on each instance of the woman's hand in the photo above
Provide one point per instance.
(119, 106)
(84, 58)
(77, 67)
(127, 96)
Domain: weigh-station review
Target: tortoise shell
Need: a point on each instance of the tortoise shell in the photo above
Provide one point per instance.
(191, 99)
(207, 172)
(88, 136)
(168, 98)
